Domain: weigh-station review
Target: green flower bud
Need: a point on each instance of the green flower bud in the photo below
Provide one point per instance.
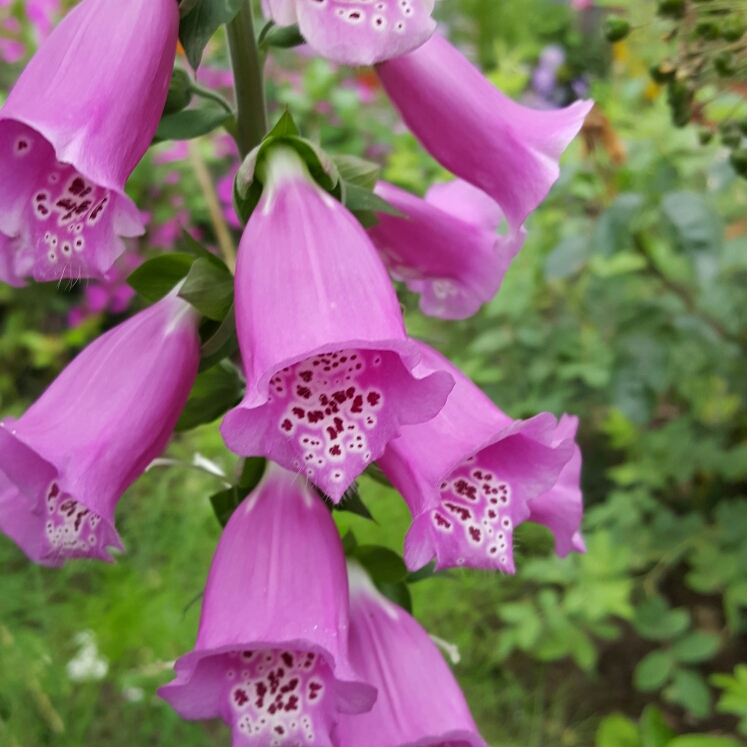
(671, 8)
(733, 28)
(616, 28)
(180, 92)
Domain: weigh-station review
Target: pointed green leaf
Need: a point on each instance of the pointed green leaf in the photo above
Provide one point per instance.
(690, 690)
(652, 729)
(190, 123)
(283, 37)
(696, 647)
(653, 671)
(209, 288)
(357, 171)
(188, 243)
(349, 543)
(397, 593)
(359, 199)
(222, 344)
(383, 565)
(252, 472)
(214, 392)
(226, 502)
(201, 21)
(157, 277)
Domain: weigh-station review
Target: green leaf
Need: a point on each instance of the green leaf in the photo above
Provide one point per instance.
(653, 731)
(201, 21)
(349, 543)
(252, 472)
(397, 593)
(690, 690)
(357, 171)
(222, 344)
(696, 224)
(189, 244)
(283, 37)
(375, 473)
(613, 229)
(180, 92)
(696, 647)
(427, 571)
(190, 123)
(214, 392)
(617, 731)
(383, 565)
(567, 258)
(653, 671)
(351, 502)
(654, 620)
(285, 126)
(209, 288)
(157, 277)
(226, 502)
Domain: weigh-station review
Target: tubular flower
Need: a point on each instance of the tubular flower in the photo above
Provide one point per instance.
(419, 702)
(328, 364)
(66, 462)
(475, 131)
(447, 248)
(470, 475)
(80, 117)
(357, 32)
(271, 657)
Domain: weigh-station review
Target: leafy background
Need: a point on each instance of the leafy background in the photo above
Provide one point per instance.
(626, 307)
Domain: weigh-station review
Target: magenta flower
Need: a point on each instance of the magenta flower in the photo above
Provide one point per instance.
(75, 125)
(470, 475)
(360, 33)
(328, 364)
(271, 657)
(447, 248)
(419, 703)
(472, 129)
(66, 462)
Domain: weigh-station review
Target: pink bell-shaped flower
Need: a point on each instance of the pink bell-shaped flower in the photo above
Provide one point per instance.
(75, 125)
(357, 33)
(470, 475)
(66, 462)
(271, 657)
(475, 131)
(328, 364)
(419, 703)
(446, 248)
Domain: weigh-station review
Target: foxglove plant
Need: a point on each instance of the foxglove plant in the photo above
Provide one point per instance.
(445, 247)
(75, 125)
(329, 367)
(471, 474)
(271, 657)
(475, 131)
(359, 32)
(419, 702)
(68, 459)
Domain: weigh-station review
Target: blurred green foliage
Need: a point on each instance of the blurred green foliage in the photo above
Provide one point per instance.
(626, 306)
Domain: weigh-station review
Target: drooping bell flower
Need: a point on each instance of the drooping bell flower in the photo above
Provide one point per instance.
(446, 248)
(68, 459)
(271, 657)
(328, 364)
(75, 125)
(470, 474)
(358, 33)
(475, 131)
(419, 702)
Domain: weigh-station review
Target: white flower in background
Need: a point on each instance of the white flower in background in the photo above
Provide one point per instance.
(87, 665)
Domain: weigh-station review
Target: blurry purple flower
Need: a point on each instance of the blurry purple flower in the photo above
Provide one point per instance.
(70, 138)
(41, 14)
(419, 703)
(271, 657)
(471, 128)
(357, 34)
(470, 475)
(67, 461)
(175, 151)
(328, 363)
(447, 248)
(544, 76)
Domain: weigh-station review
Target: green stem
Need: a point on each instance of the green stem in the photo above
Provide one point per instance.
(206, 93)
(247, 64)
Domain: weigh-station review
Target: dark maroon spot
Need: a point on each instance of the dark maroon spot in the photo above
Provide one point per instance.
(287, 658)
(493, 550)
(475, 533)
(279, 730)
(68, 507)
(54, 491)
(463, 513)
(323, 400)
(66, 203)
(465, 489)
(22, 145)
(358, 366)
(350, 392)
(478, 474)
(314, 688)
(307, 376)
(290, 687)
(77, 186)
(83, 207)
(315, 416)
(240, 697)
(441, 521)
(492, 514)
(373, 398)
(292, 704)
(357, 404)
(79, 519)
(299, 412)
(339, 425)
(344, 359)
(335, 450)
(41, 197)
(303, 391)
(286, 425)
(97, 210)
(272, 709)
(332, 432)
(328, 411)
(43, 210)
(261, 690)
(494, 501)
(339, 397)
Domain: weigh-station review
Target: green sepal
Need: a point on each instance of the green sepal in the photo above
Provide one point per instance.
(377, 474)
(383, 565)
(351, 502)
(283, 37)
(191, 123)
(221, 344)
(157, 277)
(225, 502)
(214, 392)
(247, 188)
(200, 19)
(209, 288)
(427, 571)
(252, 471)
(349, 543)
(397, 593)
(357, 171)
(187, 243)
(180, 92)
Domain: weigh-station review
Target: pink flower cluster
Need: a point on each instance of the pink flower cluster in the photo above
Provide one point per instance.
(294, 647)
